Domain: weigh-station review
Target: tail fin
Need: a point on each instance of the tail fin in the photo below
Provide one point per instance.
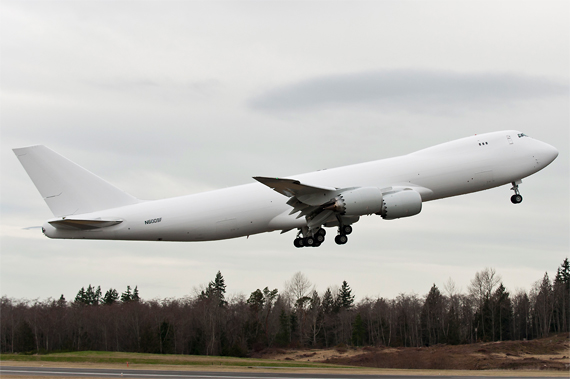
(66, 187)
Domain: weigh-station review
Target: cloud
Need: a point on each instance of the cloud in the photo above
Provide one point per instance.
(408, 89)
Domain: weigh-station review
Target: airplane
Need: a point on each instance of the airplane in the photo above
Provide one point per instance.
(87, 207)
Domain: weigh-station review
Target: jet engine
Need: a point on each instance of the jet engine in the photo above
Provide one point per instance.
(401, 204)
(358, 202)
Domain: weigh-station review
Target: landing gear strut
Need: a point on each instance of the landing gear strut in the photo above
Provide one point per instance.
(516, 198)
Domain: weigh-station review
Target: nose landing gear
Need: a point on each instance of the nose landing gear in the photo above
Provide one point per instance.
(516, 198)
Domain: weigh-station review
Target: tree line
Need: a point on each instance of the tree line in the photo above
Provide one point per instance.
(211, 323)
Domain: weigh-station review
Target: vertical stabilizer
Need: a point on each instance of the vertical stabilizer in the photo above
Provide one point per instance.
(66, 187)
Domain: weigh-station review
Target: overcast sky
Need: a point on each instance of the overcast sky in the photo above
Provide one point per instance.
(168, 98)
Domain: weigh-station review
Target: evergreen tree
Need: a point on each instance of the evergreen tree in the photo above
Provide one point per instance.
(543, 306)
(504, 314)
(328, 302)
(127, 295)
(283, 337)
(432, 316)
(135, 296)
(62, 302)
(563, 274)
(256, 301)
(80, 298)
(358, 331)
(345, 297)
(562, 298)
(92, 295)
(111, 297)
(216, 290)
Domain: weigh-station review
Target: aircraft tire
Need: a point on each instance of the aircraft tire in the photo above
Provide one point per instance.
(516, 199)
(341, 239)
(308, 241)
(298, 242)
(346, 229)
(321, 232)
(319, 238)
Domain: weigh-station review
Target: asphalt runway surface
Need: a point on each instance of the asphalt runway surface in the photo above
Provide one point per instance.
(159, 374)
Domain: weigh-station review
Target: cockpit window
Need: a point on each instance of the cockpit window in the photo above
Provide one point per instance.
(521, 135)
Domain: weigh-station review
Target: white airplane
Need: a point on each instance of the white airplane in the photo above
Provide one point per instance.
(85, 206)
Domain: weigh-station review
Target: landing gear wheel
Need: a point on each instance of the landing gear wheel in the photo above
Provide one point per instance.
(298, 242)
(341, 239)
(346, 229)
(516, 199)
(321, 232)
(319, 238)
(308, 241)
(317, 244)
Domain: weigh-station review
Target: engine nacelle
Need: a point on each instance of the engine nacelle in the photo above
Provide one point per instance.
(358, 201)
(401, 204)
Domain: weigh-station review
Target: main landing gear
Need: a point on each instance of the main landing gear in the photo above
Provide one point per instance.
(310, 241)
(516, 198)
(318, 237)
(343, 231)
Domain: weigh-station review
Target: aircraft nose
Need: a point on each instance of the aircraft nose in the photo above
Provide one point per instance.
(548, 153)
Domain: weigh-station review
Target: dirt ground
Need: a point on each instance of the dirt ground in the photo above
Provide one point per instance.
(552, 354)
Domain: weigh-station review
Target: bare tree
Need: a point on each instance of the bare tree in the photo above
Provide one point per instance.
(299, 286)
(481, 288)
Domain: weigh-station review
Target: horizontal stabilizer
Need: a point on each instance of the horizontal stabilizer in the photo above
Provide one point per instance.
(74, 224)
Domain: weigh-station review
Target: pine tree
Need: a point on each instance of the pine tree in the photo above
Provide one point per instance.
(562, 297)
(431, 317)
(358, 331)
(346, 299)
(111, 297)
(283, 337)
(328, 302)
(127, 295)
(62, 302)
(216, 290)
(135, 296)
(256, 301)
(92, 295)
(80, 298)
(504, 314)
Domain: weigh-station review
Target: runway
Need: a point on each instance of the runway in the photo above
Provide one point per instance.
(166, 374)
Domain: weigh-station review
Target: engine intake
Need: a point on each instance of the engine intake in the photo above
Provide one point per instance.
(401, 204)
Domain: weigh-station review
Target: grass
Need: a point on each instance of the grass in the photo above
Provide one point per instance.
(158, 359)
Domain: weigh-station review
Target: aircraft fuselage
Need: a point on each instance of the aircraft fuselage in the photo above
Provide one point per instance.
(450, 169)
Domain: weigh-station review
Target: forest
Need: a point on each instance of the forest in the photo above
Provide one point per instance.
(212, 323)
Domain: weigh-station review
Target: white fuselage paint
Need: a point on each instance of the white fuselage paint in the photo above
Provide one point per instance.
(454, 168)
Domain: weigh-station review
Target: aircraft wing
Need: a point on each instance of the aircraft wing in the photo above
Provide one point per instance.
(308, 200)
(305, 193)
